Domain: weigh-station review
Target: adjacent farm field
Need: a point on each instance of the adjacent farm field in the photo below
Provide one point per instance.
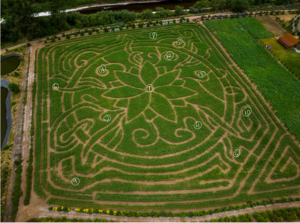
(288, 57)
(278, 86)
(151, 121)
(271, 25)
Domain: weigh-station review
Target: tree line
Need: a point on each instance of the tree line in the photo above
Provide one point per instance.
(20, 20)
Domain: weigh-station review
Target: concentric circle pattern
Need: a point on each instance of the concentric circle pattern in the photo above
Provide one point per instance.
(140, 131)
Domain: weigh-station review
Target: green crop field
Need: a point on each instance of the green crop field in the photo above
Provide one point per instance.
(129, 122)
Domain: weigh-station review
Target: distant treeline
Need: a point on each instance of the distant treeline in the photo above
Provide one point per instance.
(20, 21)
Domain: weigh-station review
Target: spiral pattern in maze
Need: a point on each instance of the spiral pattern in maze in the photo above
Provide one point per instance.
(149, 131)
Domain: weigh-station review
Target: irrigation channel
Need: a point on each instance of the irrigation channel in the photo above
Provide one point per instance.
(138, 6)
(8, 64)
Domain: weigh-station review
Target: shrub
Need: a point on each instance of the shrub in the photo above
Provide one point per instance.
(68, 36)
(59, 38)
(141, 25)
(106, 29)
(16, 74)
(45, 41)
(14, 88)
(90, 32)
(81, 33)
(12, 104)
(6, 147)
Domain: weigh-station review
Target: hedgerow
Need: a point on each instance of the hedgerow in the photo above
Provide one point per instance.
(17, 191)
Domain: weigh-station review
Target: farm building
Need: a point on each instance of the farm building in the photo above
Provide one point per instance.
(289, 41)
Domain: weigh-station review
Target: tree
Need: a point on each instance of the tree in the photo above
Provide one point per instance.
(13, 88)
(200, 5)
(218, 4)
(93, 20)
(194, 10)
(147, 14)
(179, 10)
(239, 5)
(222, 4)
(18, 16)
(58, 15)
(78, 24)
(214, 4)
(161, 12)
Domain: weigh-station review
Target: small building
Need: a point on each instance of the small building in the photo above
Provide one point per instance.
(289, 41)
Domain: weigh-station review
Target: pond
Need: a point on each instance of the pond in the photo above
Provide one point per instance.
(4, 93)
(139, 7)
(10, 63)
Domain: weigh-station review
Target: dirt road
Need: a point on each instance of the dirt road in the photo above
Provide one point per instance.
(43, 212)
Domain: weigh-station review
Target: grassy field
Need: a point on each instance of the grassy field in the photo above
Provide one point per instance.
(289, 58)
(166, 124)
(271, 25)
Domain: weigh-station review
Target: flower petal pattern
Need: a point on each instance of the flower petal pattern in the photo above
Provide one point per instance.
(172, 92)
(148, 73)
(123, 92)
(166, 78)
(137, 105)
(162, 106)
(130, 79)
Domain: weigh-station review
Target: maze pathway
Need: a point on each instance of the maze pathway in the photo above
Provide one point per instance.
(155, 118)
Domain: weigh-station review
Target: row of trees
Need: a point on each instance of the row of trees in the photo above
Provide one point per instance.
(20, 21)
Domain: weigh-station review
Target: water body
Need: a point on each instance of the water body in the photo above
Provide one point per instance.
(138, 7)
(10, 63)
(4, 93)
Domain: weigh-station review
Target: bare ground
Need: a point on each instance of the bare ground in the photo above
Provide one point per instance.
(271, 25)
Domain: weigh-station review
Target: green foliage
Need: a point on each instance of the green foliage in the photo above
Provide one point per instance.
(12, 104)
(278, 86)
(14, 88)
(17, 190)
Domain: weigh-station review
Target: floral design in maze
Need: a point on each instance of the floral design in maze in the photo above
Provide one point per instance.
(136, 127)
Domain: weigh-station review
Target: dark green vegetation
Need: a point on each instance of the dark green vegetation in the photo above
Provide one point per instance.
(20, 21)
(150, 151)
(280, 88)
(289, 58)
(14, 88)
(17, 188)
(5, 174)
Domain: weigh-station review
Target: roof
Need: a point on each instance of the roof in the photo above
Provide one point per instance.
(288, 40)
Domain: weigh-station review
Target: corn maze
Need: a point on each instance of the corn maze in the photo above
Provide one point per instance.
(156, 118)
